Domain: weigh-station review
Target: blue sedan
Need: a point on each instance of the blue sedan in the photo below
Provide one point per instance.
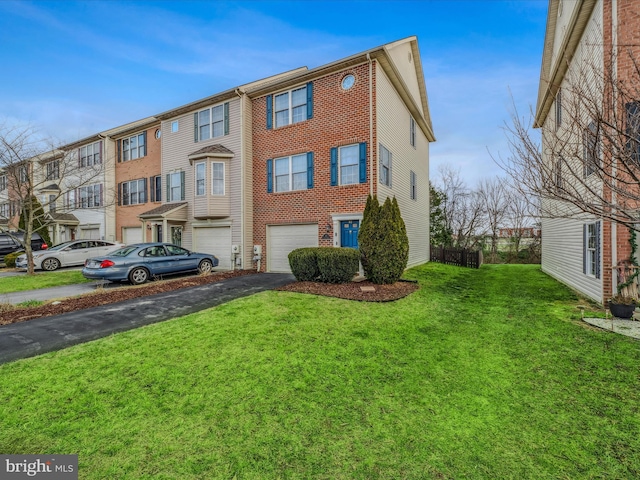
(140, 262)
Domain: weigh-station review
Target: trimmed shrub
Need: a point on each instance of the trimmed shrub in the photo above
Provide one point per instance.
(384, 245)
(337, 265)
(10, 259)
(304, 264)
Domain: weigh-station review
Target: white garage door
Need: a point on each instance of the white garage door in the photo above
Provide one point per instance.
(131, 235)
(282, 239)
(90, 233)
(215, 240)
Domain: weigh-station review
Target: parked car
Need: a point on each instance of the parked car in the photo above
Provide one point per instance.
(142, 261)
(68, 254)
(10, 242)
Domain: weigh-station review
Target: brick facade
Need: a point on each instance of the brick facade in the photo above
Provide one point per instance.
(339, 118)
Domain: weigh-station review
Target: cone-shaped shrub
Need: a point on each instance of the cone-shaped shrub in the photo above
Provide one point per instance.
(383, 241)
(39, 224)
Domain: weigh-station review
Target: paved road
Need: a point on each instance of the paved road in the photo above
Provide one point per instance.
(26, 339)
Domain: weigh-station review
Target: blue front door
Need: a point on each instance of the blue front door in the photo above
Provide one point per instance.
(349, 233)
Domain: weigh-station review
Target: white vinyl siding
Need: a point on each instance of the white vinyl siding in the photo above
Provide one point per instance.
(392, 133)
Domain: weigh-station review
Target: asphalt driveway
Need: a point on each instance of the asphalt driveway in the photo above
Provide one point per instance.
(33, 337)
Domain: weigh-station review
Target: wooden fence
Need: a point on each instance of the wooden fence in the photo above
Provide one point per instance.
(456, 256)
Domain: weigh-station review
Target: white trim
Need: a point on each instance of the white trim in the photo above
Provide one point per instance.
(224, 179)
(342, 217)
(204, 179)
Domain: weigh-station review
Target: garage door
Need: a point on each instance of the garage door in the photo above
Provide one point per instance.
(282, 239)
(131, 235)
(90, 233)
(215, 240)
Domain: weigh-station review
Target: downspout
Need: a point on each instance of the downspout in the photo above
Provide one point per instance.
(371, 149)
(614, 167)
(242, 181)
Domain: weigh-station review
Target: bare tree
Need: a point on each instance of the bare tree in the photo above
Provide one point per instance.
(462, 207)
(493, 194)
(32, 165)
(589, 158)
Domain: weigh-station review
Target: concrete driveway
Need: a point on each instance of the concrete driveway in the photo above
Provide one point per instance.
(33, 337)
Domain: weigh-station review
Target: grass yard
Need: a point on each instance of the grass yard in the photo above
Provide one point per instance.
(40, 280)
(481, 374)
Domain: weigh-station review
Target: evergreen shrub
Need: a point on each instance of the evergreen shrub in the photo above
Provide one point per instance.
(337, 265)
(304, 264)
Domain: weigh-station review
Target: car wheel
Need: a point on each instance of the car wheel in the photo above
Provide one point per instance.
(205, 266)
(138, 276)
(50, 264)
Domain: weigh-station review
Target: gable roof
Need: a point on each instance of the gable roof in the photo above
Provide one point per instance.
(552, 71)
(419, 107)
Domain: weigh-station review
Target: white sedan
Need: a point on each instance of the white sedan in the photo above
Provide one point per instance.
(68, 254)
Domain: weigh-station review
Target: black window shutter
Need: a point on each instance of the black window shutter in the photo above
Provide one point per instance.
(120, 194)
(195, 127)
(100, 155)
(334, 166)
(168, 187)
(269, 176)
(309, 169)
(226, 118)
(309, 100)
(144, 190)
(269, 111)
(119, 150)
(152, 189)
(182, 196)
(79, 158)
(144, 150)
(363, 162)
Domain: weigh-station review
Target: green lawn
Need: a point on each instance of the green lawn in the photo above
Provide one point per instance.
(41, 280)
(481, 374)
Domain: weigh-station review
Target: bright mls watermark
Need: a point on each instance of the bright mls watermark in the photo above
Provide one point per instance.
(50, 467)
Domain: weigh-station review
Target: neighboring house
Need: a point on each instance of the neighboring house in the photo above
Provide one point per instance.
(207, 203)
(138, 180)
(581, 249)
(326, 138)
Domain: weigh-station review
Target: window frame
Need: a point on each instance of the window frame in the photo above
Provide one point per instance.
(87, 158)
(290, 106)
(200, 179)
(591, 249)
(355, 165)
(90, 196)
(214, 179)
(412, 131)
(413, 185)
(290, 173)
(175, 126)
(171, 188)
(385, 170)
(127, 149)
(157, 186)
(3, 182)
(5, 210)
(217, 119)
(141, 190)
(52, 170)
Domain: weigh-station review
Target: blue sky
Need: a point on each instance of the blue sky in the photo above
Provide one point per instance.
(72, 69)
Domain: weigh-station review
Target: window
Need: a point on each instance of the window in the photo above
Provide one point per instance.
(385, 166)
(413, 188)
(291, 173)
(557, 174)
(133, 192)
(211, 123)
(412, 131)
(156, 188)
(591, 263)
(23, 174)
(591, 140)
(633, 131)
(3, 182)
(90, 155)
(217, 178)
(348, 165)
(4, 210)
(290, 107)
(70, 199)
(53, 170)
(174, 126)
(52, 204)
(90, 196)
(175, 186)
(558, 109)
(134, 147)
(200, 178)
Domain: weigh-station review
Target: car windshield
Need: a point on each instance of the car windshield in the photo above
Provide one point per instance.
(122, 252)
(60, 246)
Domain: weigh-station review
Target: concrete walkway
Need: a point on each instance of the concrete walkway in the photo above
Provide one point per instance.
(630, 328)
(33, 337)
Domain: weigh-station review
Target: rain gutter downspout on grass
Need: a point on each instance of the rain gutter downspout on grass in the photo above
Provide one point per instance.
(242, 182)
(370, 124)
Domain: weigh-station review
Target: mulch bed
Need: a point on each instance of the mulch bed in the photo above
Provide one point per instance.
(350, 291)
(353, 290)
